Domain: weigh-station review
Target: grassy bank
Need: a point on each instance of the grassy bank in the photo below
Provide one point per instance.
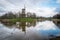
(25, 20)
(21, 20)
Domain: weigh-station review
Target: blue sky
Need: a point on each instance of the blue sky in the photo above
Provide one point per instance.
(44, 8)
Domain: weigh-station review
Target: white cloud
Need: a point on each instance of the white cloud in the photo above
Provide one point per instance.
(46, 26)
(16, 4)
(31, 6)
(8, 6)
(47, 12)
(43, 11)
(58, 1)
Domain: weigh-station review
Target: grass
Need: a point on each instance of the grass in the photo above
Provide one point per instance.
(21, 20)
(27, 20)
(55, 19)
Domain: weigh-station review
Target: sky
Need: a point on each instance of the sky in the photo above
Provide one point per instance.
(45, 8)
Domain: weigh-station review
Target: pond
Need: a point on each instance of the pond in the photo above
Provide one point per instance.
(36, 30)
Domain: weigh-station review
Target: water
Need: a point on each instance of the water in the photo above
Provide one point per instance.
(29, 30)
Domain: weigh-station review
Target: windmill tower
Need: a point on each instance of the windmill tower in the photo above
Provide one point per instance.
(23, 12)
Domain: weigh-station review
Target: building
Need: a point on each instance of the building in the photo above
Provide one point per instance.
(23, 13)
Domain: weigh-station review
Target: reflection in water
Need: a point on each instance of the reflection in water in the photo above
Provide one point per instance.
(57, 23)
(34, 31)
(8, 24)
(21, 25)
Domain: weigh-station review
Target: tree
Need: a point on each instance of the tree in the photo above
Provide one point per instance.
(29, 14)
(57, 16)
(33, 15)
(8, 15)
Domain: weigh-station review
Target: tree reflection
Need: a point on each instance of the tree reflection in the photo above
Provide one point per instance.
(20, 25)
(23, 25)
(7, 23)
(57, 23)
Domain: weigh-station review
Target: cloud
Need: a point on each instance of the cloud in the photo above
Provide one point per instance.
(8, 6)
(13, 4)
(44, 26)
(58, 1)
(31, 6)
(46, 12)
(43, 11)
(58, 9)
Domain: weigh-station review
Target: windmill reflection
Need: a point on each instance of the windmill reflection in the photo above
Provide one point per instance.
(23, 25)
(20, 25)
